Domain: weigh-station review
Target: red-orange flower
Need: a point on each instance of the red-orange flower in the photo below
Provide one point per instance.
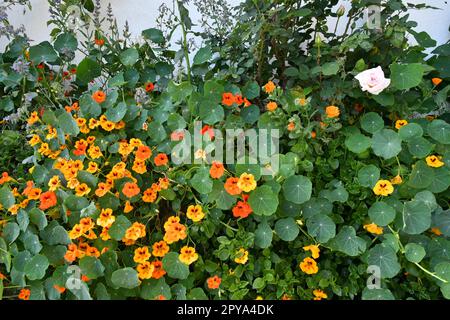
(149, 87)
(228, 99)
(143, 152)
(216, 170)
(158, 272)
(242, 210)
(100, 42)
(99, 96)
(161, 159)
(209, 130)
(24, 294)
(48, 200)
(213, 282)
(130, 189)
(231, 186)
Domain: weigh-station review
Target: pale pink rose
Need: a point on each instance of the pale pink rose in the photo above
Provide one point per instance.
(373, 80)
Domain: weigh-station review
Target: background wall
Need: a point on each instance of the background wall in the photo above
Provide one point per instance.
(142, 14)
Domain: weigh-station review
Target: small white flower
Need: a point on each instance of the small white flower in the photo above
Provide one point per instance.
(373, 80)
(200, 154)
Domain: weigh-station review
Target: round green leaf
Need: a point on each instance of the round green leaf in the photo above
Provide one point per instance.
(439, 130)
(152, 288)
(322, 227)
(154, 35)
(406, 76)
(421, 176)
(416, 217)
(386, 143)
(125, 278)
(419, 147)
(358, 143)
(381, 213)
(129, 57)
(441, 180)
(287, 229)
(348, 242)
(297, 189)
(385, 258)
(36, 267)
(263, 201)
(368, 176)
(119, 227)
(372, 122)
(410, 131)
(88, 70)
(91, 267)
(174, 267)
(377, 294)
(414, 252)
(263, 235)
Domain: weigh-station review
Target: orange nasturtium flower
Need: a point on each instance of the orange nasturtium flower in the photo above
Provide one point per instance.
(373, 228)
(242, 210)
(434, 161)
(48, 200)
(271, 106)
(158, 271)
(188, 255)
(160, 249)
(309, 266)
(231, 186)
(143, 152)
(269, 87)
(130, 189)
(319, 294)
(99, 96)
(82, 190)
(436, 81)
(213, 282)
(217, 170)
(400, 123)
(332, 111)
(106, 218)
(241, 256)
(145, 270)
(149, 87)
(314, 250)
(128, 207)
(99, 41)
(228, 99)
(291, 126)
(161, 159)
(102, 189)
(141, 255)
(33, 118)
(195, 213)
(383, 188)
(175, 231)
(24, 294)
(397, 180)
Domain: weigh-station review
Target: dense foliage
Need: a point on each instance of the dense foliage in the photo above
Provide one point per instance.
(97, 205)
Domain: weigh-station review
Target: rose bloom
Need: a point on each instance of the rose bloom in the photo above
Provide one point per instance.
(373, 80)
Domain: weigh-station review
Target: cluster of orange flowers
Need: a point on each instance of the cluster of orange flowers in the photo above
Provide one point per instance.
(174, 230)
(147, 269)
(309, 264)
(229, 99)
(83, 249)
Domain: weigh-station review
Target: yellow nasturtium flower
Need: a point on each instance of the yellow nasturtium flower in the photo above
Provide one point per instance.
(241, 256)
(373, 228)
(434, 161)
(383, 188)
(246, 182)
(195, 213)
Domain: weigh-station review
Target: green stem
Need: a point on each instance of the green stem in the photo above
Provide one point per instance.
(185, 46)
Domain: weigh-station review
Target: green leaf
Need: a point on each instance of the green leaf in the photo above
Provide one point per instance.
(414, 252)
(179, 91)
(358, 143)
(406, 76)
(385, 258)
(419, 147)
(152, 288)
(384, 98)
(223, 199)
(66, 42)
(439, 130)
(7, 199)
(287, 229)
(125, 278)
(416, 217)
(263, 235)
(427, 198)
(88, 178)
(154, 35)
(203, 55)
(74, 203)
(197, 294)
(117, 81)
(11, 231)
(91, 267)
(116, 113)
(348, 242)
(372, 122)
(250, 114)
(441, 180)
(202, 182)
(322, 227)
(88, 70)
(381, 213)
(174, 267)
(210, 114)
(119, 227)
(38, 218)
(421, 176)
(129, 57)
(68, 124)
(368, 176)
(81, 292)
(42, 52)
(23, 219)
(297, 189)
(330, 68)
(377, 294)
(36, 267)
(410, 131)
(251, 90)
(263, 201)
(386, 143)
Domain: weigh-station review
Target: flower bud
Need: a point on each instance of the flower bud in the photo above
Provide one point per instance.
(318, 40)
(341, 11)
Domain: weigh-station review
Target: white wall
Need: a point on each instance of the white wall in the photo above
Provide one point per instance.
(141, 14)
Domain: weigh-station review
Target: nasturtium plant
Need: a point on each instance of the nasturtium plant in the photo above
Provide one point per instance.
(246, 169)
